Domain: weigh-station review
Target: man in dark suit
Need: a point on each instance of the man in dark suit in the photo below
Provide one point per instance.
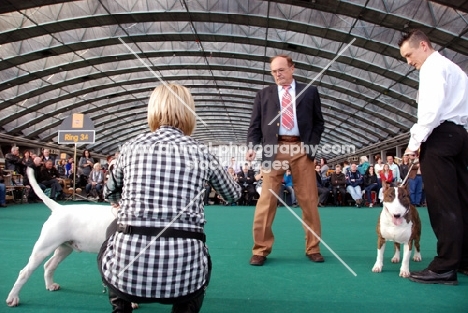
(246, 179)
(287, 120)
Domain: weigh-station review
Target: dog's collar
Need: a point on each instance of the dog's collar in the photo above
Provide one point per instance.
(114, 211)
(403, 215)
(407, 211)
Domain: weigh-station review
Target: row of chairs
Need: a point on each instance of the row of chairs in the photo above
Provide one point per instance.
(15, 190)
(347, 199)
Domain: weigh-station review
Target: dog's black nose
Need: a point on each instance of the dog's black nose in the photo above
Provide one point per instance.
(397, 215)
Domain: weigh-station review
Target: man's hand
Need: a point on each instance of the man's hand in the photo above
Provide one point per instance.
(250, 155)
(409, 152)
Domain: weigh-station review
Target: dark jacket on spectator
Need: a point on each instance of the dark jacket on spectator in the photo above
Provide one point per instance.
(37, 174)
(404, 168)
(47, 175)
(354, 175)
(319, 179)
(248, 179)
(370, 179)
(338, 180)
(12, 162)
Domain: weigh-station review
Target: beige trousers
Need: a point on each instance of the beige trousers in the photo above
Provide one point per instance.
(305, 187)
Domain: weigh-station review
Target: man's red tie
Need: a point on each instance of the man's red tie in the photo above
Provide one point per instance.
(287, 115)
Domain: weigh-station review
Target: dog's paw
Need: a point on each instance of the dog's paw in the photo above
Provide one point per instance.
(12, 301)
(396, 259)
(417, 257)
(135, 305)
(53, 287)
(377, 268)
(404, 273)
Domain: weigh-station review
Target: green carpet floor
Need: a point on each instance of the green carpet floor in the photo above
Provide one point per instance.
(288, 283)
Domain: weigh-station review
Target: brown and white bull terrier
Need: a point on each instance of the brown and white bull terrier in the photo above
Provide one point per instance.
(399, 222)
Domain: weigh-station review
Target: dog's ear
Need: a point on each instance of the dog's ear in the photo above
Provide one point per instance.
(384, 185)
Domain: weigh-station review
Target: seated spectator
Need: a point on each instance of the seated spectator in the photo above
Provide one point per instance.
(338, 183)
(394, 168)
(378, 167)
(37, 167)
(237, 167)
(370, 184)
(386, 175)
(363, 165)
(323, 191)
(49, 177)
(386, 179)
(69, 168)
(404, 166)
(288, 185)
(378, 164)
(95, 181)
(232, 173)
(2, 189)
(354, 182)
(26, 161)
(46, 156)
(13, 160)
(61, 168)
(246, 179)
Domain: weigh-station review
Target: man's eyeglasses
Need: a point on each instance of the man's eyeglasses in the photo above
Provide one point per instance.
(279, 71)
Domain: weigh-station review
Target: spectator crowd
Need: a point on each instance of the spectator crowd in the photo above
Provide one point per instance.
(57, 177)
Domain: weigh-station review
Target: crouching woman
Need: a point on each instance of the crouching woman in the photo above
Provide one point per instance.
(156, 250)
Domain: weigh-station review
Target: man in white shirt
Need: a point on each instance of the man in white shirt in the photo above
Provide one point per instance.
(443, 141)
(237, 166)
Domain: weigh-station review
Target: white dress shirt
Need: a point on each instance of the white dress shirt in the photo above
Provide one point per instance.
(443, 96)
(377, 168)
(292, 91)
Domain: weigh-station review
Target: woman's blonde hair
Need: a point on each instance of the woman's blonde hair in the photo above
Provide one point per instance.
(172, 105)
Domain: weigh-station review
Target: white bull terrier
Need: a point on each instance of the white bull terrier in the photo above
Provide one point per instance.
(399, 222)
(79, 227)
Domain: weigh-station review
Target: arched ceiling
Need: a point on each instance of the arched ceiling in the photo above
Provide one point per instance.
(103, 58)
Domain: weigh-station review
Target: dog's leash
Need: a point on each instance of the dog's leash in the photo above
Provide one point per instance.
(403, 183)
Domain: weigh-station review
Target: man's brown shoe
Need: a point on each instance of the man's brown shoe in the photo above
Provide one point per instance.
(316, 257)
(257, 260)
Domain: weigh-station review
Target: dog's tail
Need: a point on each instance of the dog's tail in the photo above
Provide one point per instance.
(37, 189)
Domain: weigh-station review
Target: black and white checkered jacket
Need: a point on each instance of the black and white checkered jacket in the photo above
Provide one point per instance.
(156, 176)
